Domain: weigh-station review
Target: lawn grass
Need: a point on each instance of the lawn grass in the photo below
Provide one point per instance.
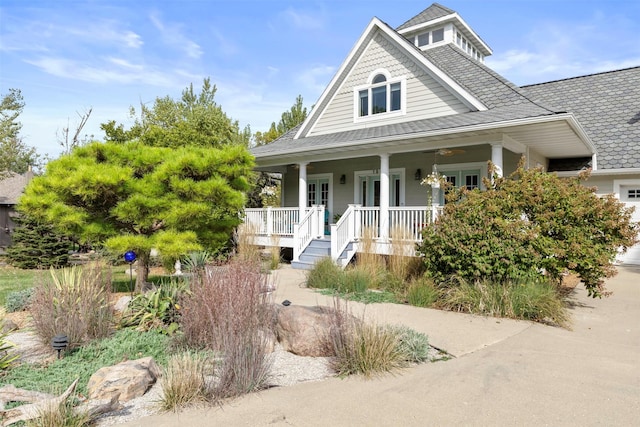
(14, 279)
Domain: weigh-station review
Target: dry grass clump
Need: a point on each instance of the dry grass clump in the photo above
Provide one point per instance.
(246, 250)
(367, 258)
(74, 302)
(364, 348)
(226, 312)
(184, 381)
(60, 415)
(531, 298)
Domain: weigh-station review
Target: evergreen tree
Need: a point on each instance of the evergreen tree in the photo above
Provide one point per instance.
(37, 245)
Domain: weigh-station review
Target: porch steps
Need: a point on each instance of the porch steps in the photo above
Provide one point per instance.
(319, 249)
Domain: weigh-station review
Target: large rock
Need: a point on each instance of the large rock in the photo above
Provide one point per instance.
(128, 379)
(304, 330)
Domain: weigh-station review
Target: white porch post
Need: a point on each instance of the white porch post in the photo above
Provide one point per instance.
(496, 158)
(302, 189)
(384, 197)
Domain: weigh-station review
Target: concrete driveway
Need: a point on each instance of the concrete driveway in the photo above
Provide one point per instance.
(505, 372)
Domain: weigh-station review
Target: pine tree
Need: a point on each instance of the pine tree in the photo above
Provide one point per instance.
(37, 245)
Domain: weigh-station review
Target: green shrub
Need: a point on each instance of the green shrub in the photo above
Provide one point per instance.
(354, 281)
(533, 299)
(413, 344)
(18, 300)
(525, 224)
(422, 292)
(325, 274)
(74, 302)
(156, 309)
(36, 244)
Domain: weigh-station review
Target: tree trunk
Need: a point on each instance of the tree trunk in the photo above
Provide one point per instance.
(142, 273)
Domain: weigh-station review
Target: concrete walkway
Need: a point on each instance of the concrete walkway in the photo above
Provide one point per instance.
(505, 372)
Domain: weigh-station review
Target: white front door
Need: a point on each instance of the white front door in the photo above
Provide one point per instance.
(630, 196)
(369, 190)
(319, 193)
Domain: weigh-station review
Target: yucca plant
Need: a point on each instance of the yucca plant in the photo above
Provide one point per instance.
(7, 357)
(196, 261)
(157, 309)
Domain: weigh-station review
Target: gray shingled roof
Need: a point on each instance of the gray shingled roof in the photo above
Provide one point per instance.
(286, 143)
(11, 188)
(482, 82)
(504, 100)
(434, 11)
(608, 107)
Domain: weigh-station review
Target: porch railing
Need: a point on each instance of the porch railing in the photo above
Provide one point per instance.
(405, 222)
(310, 227)
(272, 221)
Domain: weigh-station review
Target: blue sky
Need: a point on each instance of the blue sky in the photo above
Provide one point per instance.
(69, 55)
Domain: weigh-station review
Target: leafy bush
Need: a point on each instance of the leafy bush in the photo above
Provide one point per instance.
(183, 381)
(18, 300)
(156, 309)
(75, 302)
(227, 311)
(533, 299)
(529, 223)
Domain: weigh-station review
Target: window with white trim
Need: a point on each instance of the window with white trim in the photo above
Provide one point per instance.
(634, 193)
(383, 95)
(429, 37)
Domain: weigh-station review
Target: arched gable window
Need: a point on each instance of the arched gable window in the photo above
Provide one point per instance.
(382, 95)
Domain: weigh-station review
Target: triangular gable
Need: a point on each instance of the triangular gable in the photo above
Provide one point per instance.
(377, 27)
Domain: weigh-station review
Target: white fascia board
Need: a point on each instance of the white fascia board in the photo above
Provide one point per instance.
(601, 172)
(409, 48)
(373, 143)
(452, 17)
(336, 77)
(579, 130)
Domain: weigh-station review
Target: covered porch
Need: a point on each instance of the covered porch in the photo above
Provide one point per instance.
(332, 194)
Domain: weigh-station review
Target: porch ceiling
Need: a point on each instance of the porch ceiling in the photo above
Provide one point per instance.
(558, 136)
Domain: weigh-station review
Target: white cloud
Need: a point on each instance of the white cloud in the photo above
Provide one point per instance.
(316, 78)
(304, 20)
(122, 72)
(173, 36)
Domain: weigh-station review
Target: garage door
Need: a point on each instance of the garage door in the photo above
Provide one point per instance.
(630, 195)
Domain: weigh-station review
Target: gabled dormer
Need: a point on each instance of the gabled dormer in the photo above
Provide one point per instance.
(438, 25)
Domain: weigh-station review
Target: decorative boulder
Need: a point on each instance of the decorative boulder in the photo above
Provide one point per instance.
(128, 379)
(121, 305)
(304, 330)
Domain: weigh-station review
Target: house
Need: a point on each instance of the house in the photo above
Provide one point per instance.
(11, 188)
(419, 100)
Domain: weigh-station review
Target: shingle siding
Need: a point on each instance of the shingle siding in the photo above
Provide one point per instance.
(425, 97)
